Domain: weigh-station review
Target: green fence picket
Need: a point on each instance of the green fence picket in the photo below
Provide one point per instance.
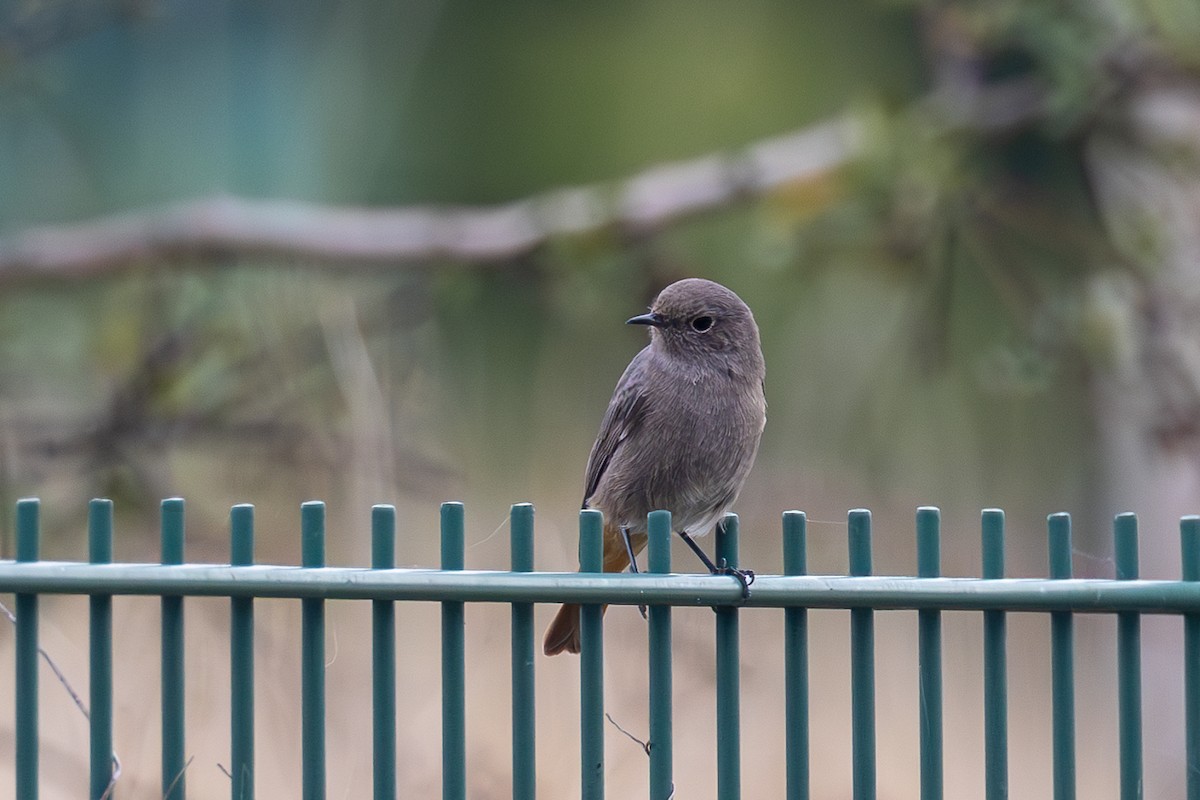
(1062, 664)
(524, 719)
(454, 703)
(995, 664)
(591, 662)
(241, 660)
(100, 666)
(1129, 663)
(661, 681)
(174, 784)
(1189, 545)
(862, 664)
(929, 650)
(383, 659)
(795, 661)
(312, 657)
(729, 692)
(27, 657)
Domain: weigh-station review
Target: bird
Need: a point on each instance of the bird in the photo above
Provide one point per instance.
(681, 431)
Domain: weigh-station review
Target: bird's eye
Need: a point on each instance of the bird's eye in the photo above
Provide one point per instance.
(702, 324)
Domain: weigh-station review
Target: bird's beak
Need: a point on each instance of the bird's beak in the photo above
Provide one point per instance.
(654, 319)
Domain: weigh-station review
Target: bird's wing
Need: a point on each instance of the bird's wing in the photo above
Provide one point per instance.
(625, 413)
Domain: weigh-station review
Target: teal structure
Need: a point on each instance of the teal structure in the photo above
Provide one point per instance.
(1060, 595)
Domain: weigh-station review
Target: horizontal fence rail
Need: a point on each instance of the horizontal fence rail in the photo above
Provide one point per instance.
(1085, 595)
(1061, 596)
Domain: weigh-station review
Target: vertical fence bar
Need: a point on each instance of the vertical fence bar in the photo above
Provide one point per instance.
(241, 660)
(591, 662)
(862, 663)
(729, 701)
(1129, 662)
(454, 730)
(1062, 663)
(312, 656)
(795, 661)
(27, 657)
(524, 728)
(100, 530)
(929, 646)
(1189, 544)
(173, 748)
(662, 744)
(383, 658)
(995, 665)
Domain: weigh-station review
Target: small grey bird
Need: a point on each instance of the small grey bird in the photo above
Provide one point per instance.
(680, 432)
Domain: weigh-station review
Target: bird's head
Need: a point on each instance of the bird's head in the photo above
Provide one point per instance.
(701, 317)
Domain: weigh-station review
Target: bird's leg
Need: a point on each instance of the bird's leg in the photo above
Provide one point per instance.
(633, 567)
(744, 576)
(699, 551)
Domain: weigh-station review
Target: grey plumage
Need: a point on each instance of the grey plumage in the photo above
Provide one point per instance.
(682, 428)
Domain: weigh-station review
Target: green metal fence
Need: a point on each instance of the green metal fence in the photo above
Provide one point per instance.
(863, 593)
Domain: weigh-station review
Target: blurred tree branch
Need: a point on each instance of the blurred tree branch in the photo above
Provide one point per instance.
(216, 228)
(219, 227)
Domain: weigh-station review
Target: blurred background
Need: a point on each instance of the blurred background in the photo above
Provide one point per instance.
(382, 252)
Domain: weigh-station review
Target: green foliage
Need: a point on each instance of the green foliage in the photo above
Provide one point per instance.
(955, 273)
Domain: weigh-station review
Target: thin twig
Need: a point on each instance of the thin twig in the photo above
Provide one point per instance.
(645, 745)
(66, 684)
(175, 781)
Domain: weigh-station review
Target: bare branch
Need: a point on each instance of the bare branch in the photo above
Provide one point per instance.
(223, 226)
(217, 228)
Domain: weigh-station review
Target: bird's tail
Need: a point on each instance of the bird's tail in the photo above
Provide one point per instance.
(563, 633)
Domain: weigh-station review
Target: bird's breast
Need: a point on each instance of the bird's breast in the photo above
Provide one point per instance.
(690, 455)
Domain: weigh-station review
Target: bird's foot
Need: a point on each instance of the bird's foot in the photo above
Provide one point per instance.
(744, 576)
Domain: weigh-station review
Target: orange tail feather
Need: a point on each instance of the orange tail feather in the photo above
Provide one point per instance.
(563, 634)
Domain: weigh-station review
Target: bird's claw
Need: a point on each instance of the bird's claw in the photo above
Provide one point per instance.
(745, 577)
